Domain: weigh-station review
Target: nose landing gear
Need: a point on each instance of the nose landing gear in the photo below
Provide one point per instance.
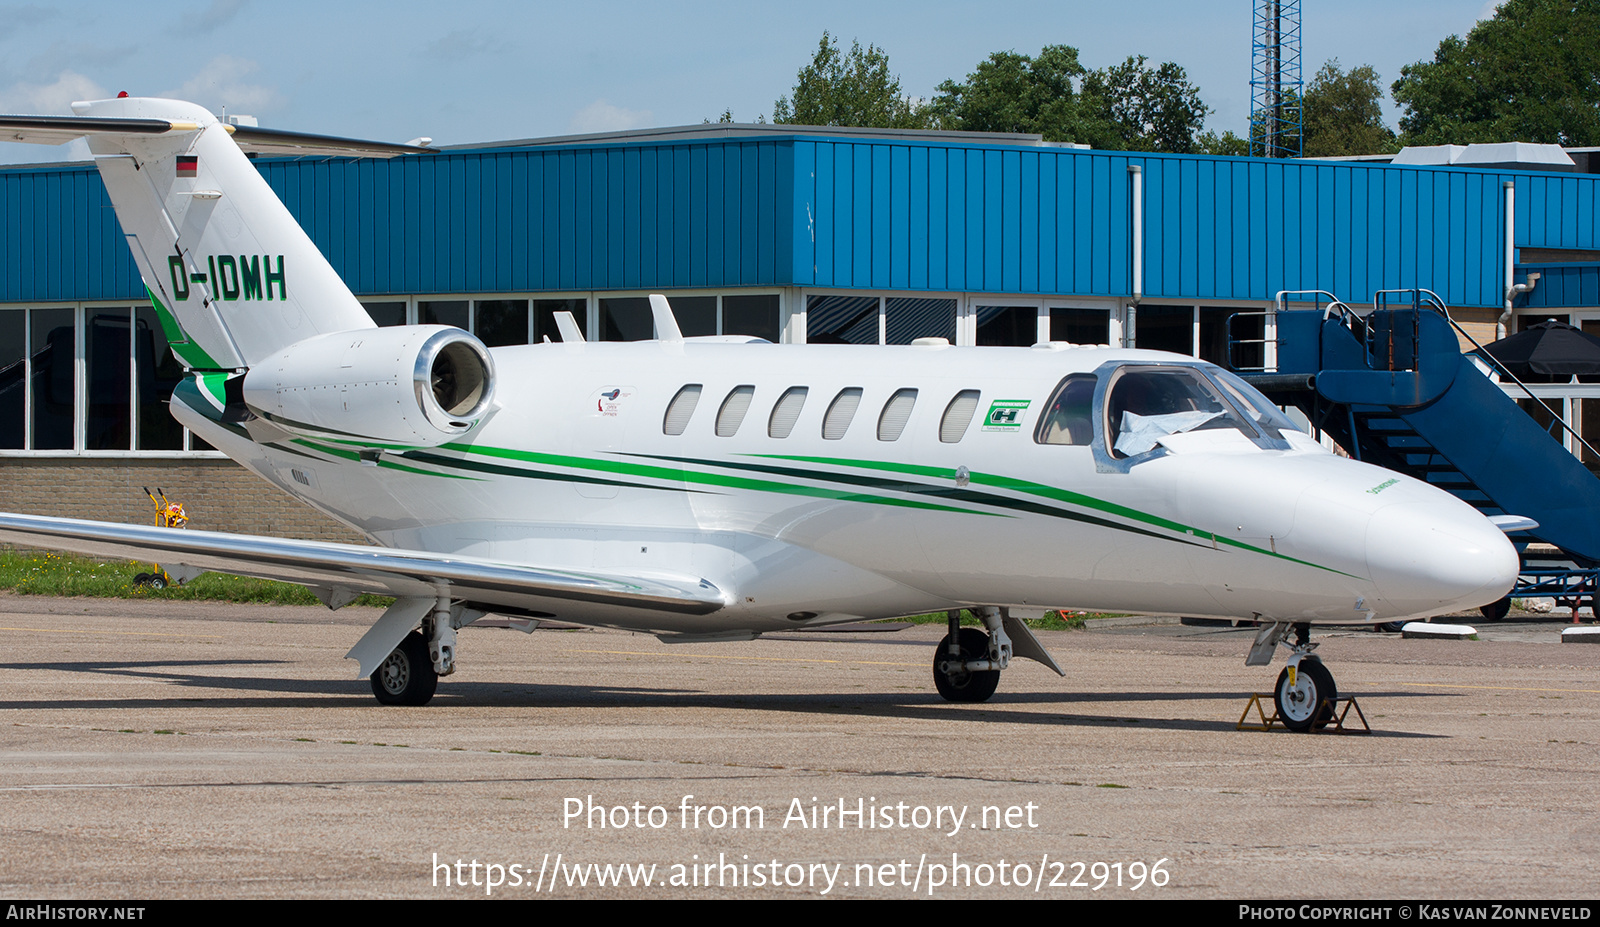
(1305, 693)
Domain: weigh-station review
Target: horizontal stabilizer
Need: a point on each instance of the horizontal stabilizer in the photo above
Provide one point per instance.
(55, 130)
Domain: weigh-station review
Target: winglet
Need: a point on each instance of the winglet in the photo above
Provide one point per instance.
(666, 325)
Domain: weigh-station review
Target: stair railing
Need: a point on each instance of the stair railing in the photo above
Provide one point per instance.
(1423, 298)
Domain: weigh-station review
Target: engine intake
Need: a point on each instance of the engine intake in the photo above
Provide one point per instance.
(410, 384)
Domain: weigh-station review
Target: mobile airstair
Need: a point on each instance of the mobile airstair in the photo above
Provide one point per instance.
(1393, 388)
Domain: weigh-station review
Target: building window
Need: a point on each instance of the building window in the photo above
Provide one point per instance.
(1165, 328)
(753, 314)
(906, 320)
(842, 320)
(444, 312)
(13, 380)
(696, 315)
(499, 322)
(1016, 326)
(387, 313)
(128, 375)
(1079, 325)
(1233, 338)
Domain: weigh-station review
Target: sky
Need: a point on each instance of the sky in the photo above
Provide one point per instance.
(487, 70)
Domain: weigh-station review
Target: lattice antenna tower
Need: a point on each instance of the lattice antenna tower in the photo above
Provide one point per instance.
(1277, 128)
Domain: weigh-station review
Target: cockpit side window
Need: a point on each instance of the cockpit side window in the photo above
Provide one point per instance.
(1069, 418)
(1145, 404)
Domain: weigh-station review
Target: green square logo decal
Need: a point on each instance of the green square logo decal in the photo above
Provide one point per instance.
(1005, 415)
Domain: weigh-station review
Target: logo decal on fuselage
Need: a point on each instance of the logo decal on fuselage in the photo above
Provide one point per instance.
(608, 402)
(1005, 415)
(246, 276)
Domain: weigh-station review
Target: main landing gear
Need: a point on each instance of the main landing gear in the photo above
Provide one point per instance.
(410, 673)
(967, 662)
(1305, 693)
(407, 677)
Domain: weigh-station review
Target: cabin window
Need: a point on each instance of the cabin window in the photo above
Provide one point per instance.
(786, 412)
(680, 409)
(1070, 416)
(892, 421)
(1145, 404)
(731, 415)
(840, 412)
(957, 416)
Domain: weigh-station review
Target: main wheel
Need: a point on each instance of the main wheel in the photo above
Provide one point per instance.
(1494, 611)
(1307, 703)
(407, 676)
(962, 686)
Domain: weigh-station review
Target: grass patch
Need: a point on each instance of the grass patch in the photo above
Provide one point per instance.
(44, 573)
(1052, 621)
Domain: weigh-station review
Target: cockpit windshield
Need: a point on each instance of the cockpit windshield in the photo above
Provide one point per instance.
(1272, 422)
(1145, 404)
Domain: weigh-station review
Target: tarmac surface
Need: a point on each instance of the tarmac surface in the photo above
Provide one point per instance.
(155, 750)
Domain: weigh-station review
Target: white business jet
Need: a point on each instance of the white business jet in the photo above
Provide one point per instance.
(715, 489)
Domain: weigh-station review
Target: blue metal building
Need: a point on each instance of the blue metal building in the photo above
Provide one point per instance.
(793, 234)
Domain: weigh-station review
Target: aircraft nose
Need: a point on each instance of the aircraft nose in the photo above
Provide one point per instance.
(1437, 556)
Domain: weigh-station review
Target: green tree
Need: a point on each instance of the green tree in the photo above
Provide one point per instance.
(853, 88)
(1148, 109)
(1343, 113)
(1530, 73)
(1014, 93)
(1129, 105)
(1225, 144)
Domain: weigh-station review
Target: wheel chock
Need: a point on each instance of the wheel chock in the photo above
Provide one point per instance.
(1334, 725)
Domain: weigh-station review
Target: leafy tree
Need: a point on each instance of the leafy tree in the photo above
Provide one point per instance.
(1225, 144)
(1530, 73)
(1128, 105)
(853, 88)
(1148, 109)
(1343, 113)
(1014, 93)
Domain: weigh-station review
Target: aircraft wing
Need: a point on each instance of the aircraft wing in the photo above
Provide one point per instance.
(339, 571)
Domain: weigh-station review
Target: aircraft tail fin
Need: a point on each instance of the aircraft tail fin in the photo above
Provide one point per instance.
(232, 274)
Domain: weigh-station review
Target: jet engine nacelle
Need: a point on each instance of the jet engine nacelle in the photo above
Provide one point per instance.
(410, 384)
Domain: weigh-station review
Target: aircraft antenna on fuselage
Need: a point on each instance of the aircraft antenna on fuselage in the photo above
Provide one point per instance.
(567, 327)
(666, 324)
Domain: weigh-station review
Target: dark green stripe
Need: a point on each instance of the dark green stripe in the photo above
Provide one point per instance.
(956, 493)
(1060, 495)
(483, 467)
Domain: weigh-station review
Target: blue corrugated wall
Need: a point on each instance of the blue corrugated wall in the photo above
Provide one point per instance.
(830, 212)
(1562, 285)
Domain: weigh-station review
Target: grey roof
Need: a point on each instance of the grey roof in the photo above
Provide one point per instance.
(746, 130)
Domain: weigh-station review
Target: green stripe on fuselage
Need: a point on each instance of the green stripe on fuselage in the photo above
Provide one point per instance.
(679, 475)
(1060, 495)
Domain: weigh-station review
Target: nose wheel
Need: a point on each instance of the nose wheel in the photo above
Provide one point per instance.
(1305, 695)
